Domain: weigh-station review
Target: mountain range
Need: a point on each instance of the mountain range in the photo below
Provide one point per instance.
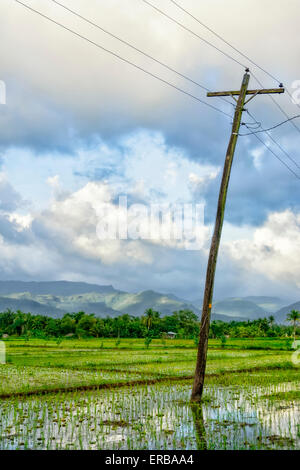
(55, 298)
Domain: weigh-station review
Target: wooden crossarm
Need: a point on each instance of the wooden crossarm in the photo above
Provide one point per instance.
(249, 92)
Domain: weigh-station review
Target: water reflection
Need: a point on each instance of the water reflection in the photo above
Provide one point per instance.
(153, 417)
(197, 412)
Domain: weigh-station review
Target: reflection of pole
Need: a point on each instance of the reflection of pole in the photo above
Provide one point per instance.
(199, 426)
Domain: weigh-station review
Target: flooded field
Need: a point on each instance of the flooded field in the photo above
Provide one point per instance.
(155, 417)
(140, 400)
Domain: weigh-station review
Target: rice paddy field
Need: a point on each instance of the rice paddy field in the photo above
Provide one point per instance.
(108, 394)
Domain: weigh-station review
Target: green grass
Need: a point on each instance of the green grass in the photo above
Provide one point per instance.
(141, 396)
(133, 343)
(254, 343)
(39, 365)
(96, 343)
(16, 380)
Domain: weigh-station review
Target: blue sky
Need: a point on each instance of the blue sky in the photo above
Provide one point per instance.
(80, 128)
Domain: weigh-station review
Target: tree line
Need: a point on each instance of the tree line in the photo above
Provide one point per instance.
(184, 323)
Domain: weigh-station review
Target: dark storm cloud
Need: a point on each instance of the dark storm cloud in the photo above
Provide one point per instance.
(254, 193)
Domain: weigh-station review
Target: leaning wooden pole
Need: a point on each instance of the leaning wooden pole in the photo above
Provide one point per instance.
(214, 248)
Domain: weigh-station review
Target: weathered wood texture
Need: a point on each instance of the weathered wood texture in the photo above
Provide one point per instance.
(212, 260)
(249, 92)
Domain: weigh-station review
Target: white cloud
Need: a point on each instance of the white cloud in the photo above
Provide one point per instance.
(62, 240)
(273, 250)
(198, 183)
(21, 221)
(63, 93)
(53, 181)
(162, 171)
(257, 154)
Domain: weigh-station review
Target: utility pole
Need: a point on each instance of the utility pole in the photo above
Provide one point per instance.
(215, 242)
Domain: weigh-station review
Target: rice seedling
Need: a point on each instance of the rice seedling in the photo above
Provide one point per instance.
(85, 394)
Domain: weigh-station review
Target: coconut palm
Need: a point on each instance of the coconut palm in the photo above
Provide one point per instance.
(271, 320)
(150, 315)
(293, 317)
(148, 318)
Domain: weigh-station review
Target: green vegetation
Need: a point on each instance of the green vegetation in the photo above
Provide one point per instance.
(294, 318)
(81, 325)
(132, 396)
(71, 388)
(75, 363)
(183, 323)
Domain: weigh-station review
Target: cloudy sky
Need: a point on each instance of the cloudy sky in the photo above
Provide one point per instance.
(81, 127)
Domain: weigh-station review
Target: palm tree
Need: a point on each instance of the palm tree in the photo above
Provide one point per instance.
(271, 320)
(148, 318)
(293, 317)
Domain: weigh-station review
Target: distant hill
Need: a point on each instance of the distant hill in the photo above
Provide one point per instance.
(238, 308)
(268, 304)
(225, 318)
(54, 298)
(57, 298)
(52, 287)
(282, 313)
(136, 304)
(29, 306)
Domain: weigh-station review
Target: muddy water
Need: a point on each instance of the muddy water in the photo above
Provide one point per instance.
(153, 417)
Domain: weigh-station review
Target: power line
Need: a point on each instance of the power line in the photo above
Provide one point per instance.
(226, 42)
(220, 50)
(194, 34)
(276, 103)
(136, 49)
(143, 70)
(276, 156)
(123, 59)
(274, 141)
(232, 46)
(290, 95)
(274, 127)
(252, 125)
